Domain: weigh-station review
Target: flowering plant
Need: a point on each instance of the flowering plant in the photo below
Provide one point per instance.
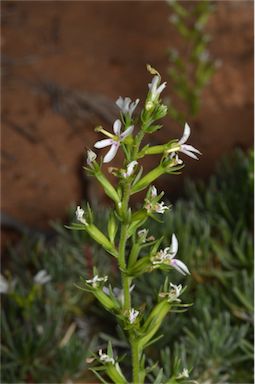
(126, 236)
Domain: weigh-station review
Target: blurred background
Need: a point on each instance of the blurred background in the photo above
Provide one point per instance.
(64, 63)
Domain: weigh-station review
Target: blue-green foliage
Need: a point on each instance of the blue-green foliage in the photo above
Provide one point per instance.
(214, 226)
(46, 330)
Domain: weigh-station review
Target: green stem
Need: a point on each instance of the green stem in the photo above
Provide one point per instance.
(126, 288)
(135, 361)
(122, 248)
(139, 139)
(133, 254)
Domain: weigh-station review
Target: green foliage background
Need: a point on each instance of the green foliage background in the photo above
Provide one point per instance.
(49, 331)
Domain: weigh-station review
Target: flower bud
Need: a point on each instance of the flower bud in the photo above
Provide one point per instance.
(112, 227)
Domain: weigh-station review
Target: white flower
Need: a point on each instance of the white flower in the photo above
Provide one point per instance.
(114, 140)
(126, 106)
(4, 284)
(79, 215)
(42, 277)
(133, 313)
(105, 358)
(130, 169)
(176, 158)
(185, 148)
(167, 256)
(173, 294)
(142, 234)
(184, 374)
(154, 191)
(91, 156)
(155, 88)
(176, 288)
(152, 204)
(161, 207)
(95, 280)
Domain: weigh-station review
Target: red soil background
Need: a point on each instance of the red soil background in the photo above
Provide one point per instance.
(64, 65)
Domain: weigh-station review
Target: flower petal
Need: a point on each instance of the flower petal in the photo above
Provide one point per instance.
(127, 132)
(189, 153)
(161, 88)
(130, 168)
(154, 83)
(186, 134)
(119, 102)
(190, 148)
(133, 106)
(180, 267)
(154, 191)
(174, 245)
(103, 143)
(117, 127)
(112, 152)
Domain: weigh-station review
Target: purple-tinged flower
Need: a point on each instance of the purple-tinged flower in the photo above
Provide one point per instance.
(126, 106)
(114, 140)
(167, 256)
(133, 313)
(189, 150)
